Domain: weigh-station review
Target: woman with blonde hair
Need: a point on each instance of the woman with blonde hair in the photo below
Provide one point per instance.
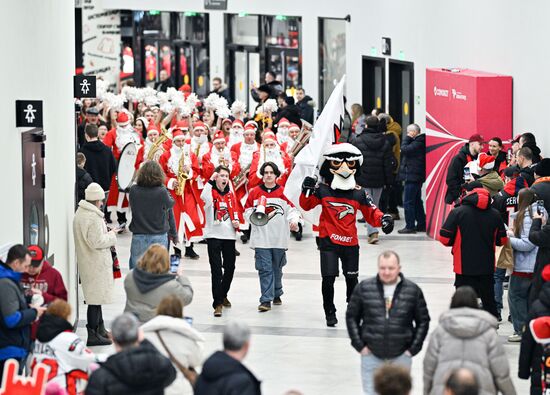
(62, 350)
(178, 341)
(151, 281)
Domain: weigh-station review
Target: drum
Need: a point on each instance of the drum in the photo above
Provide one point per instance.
(126, 167)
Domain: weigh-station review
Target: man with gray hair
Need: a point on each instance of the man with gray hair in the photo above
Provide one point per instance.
(136, 367)
(223, 373)
(462, 382)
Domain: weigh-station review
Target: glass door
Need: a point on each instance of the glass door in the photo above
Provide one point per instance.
(246, 74)
(332, 56)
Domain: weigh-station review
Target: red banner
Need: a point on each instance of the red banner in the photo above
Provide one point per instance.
(459, 103)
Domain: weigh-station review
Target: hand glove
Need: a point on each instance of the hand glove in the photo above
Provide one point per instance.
(309, 185)
(387, 223)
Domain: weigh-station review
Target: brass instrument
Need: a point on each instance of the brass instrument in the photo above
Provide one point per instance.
(301, 141)
(221, 158)
(182, 175)
(152, 154)
(241, 178)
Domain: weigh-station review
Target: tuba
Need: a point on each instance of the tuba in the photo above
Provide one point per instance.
(182, 175)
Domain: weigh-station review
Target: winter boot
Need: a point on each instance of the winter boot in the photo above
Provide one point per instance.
(95, 339)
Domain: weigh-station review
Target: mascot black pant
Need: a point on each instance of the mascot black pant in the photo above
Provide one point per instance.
(330, 254)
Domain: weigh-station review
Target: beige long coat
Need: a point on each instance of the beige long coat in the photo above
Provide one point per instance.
(93, 254)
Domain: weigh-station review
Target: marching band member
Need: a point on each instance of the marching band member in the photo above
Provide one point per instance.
(236, 134)
(222, 222)
(269, 152)
(219, 155)
(116, 139)
(182, 170)
(199, 142)
(153, 149)
(282, 131)
(270, 241)
(340, 198)
(293, 132)
(244, 152)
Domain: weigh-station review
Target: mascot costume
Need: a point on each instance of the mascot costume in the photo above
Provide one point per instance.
(340, 198)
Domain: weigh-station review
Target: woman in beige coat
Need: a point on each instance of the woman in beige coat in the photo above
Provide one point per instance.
(467, 338)
(93, 244)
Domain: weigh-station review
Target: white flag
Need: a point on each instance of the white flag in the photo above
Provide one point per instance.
(326, 128)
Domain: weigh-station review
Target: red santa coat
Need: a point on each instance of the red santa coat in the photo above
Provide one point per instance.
(283, 162)
(211, 160)
(244, 154)
(110, 141)
(188, 208)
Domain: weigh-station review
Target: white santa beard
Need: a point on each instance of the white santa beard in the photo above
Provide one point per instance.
(274, 157)
(125, 135)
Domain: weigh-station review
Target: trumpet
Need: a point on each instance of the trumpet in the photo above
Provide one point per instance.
(182, 175)
(241, 178)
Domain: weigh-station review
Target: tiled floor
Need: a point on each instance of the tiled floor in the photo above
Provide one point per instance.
(291, 346)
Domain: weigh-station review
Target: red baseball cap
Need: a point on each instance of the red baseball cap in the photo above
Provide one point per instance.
(476, 138)
(37, 255)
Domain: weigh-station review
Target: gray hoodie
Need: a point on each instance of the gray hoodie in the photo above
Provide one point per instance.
(144, 291)
(467, 338)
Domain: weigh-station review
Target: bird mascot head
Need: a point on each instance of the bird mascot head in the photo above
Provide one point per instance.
(340, 164)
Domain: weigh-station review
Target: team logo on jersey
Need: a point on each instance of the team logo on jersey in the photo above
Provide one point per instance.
(342, 209)
(272, 210)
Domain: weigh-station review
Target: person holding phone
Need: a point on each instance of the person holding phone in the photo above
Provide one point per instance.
(222, 222)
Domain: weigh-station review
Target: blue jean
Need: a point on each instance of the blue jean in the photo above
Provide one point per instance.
(499, 279)
(269, 264)
(415, 217)
(369, 365)
(140, 244)
(518, 299)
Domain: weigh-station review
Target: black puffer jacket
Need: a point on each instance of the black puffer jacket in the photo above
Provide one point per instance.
(455, 173)
(530, 354)
(404, 329)
(137, 370)
(540, 236)
(83, 179)
(413, 159)
(223, 375)
(306, 106)
(378, 160)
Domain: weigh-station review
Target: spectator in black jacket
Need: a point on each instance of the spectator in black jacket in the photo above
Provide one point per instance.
(528, 140)
(378, 164)
(541, 186)
(92, 118)
(413, 172)
(83, 178)
(473, 228)
(220, 88)
(530, 354)
(271, 86)
(455, 173)
(136, 368)
(288, 110)
(100, 162)
(16, 316)
(223, 372)
(539, 235)
(387, 319)
(524, 160)
(306, 105)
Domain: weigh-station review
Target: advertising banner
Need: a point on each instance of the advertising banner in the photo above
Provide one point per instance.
(460, 103)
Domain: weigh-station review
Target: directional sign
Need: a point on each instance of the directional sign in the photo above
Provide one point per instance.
(28, 113)
(84, 86)
(215, 4)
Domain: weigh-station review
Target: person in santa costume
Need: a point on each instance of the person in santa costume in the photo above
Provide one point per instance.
(222, 222)
(293, 132)
(116, 139)
(153, 134)
(236, 133)
(270, 151)
(282, 131)
(340, 198)
(219, 155)
(188, 206)
(199, 140)
(226, 126)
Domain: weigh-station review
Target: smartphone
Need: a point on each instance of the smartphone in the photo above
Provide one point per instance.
(510, 154)
(174, 263)
(540, 207)
(467, 174)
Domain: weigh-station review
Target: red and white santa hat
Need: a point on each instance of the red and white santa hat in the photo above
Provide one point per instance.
(122, 119)
(249, 128)
(293, 126)
(199, 125)
(486, 161)
(153, 128)
(251, 123)
(268, 135)
(225, 120)
(238, 122)
(177, 134)
(540, 329)
(283, 122)
(218, 137)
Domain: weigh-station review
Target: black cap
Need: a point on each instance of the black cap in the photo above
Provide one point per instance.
(92, 111)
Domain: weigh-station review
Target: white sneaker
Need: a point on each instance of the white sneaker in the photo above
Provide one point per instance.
(515, 338)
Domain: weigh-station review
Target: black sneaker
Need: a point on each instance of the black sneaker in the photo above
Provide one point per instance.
(331, 320)
(263, 307)
(406, 231)
(191, 254)
(244, 238)
(277, 301)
